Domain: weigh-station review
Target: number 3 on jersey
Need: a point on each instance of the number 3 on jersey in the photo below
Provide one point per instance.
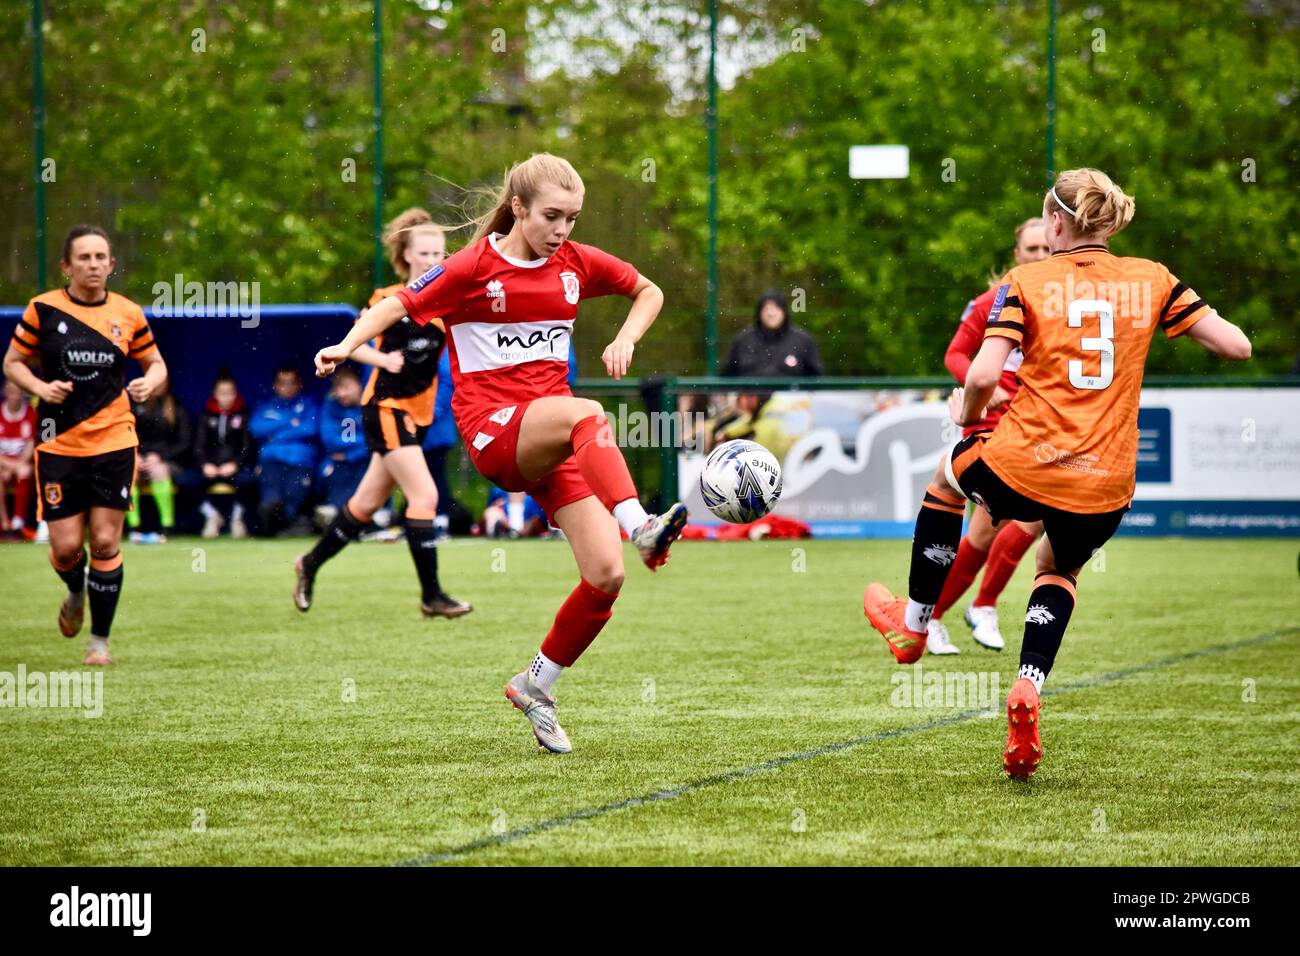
(1102, 343)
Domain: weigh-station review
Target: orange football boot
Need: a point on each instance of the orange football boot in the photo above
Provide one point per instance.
(888, 616)
(1024, 746)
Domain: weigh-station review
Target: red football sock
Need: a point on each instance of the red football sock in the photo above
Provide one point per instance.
(22, 498)
(601, 462)
(965, 566)
(1008, 548)
(580, 618)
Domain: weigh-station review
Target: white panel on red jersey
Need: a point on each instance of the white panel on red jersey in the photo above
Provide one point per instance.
(482, 346)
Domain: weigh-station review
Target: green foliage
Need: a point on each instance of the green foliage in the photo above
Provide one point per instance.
(229, 163)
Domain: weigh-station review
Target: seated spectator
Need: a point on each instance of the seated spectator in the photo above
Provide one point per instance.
(224, 453)
(439, 441)
(513, 514)
(754, 421)
(346, 456)
(285, 429)
(163, 428)
(17, 443)
(774, 345)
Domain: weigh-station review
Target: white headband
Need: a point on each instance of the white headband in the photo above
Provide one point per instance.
(1062, 204)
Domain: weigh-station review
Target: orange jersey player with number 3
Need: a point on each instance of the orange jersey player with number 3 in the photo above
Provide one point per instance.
(1065, 453)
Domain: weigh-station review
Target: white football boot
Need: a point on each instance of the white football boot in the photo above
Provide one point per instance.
(937, 640)
(983, 623)
(657, 534)
(540, 711)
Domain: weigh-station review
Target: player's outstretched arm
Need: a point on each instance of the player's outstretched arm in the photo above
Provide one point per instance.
(378, 318)
(982, 379)
(1216, 334)
(647, 299)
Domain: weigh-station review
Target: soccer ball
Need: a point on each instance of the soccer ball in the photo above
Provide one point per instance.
(741, 481)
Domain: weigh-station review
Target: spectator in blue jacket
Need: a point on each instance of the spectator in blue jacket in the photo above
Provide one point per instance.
(285, 429)
(345, 453)
(439, 441)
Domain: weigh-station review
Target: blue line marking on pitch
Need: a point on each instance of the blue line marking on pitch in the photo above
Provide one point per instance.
(588, 813)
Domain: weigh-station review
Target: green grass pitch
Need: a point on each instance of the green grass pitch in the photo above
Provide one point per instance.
(737, 710)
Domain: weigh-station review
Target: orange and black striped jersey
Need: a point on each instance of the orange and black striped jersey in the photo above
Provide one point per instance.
(86, 344)
(415, 387)
(1084, 319)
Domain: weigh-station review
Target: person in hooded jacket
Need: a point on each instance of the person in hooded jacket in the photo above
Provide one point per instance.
(773, 345)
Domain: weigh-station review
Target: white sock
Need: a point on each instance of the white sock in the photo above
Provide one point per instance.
(544, 673)
(1034, 674)
(630, 515)
(98, 644)
(917, 617)
(515, 515)
(207, 510)
(237, 512)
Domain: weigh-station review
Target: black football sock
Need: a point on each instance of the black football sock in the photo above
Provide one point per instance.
(934, 547)
(343, 530)
(424, 552)
(105, 581)
(1050, 607)
(74, 576)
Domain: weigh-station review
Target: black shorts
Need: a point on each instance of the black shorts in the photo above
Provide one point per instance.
(1074, 537)
(70, 485)
(388, 429)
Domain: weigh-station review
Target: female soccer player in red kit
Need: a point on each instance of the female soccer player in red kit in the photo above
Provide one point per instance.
(1001, 547)
(508, 302)
(1066, 451)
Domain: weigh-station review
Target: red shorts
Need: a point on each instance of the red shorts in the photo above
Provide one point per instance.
(493, 450)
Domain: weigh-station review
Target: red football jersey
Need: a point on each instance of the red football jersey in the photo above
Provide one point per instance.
(16, 430)
(965, 345)
(509, 320)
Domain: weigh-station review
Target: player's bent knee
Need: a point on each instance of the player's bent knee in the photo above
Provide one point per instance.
(363, 511)
(104, 547)
(64, 557)
(425, 504)
(609, 578)
(589, 407)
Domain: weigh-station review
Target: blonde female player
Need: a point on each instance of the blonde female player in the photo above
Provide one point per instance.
(1065, 453)
(396, 409)
(80, 337)
(509, 301)
(997, 549)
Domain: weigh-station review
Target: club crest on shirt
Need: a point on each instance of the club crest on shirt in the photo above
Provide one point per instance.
(115, 330)
(571, 289)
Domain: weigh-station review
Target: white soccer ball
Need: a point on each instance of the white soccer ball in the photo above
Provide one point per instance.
(741, 481)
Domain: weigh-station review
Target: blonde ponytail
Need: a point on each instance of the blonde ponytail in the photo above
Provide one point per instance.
(1095, 204)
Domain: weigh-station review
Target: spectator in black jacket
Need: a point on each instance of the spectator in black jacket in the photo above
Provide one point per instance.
(225, 453)
(774, 345)
(163, 428)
